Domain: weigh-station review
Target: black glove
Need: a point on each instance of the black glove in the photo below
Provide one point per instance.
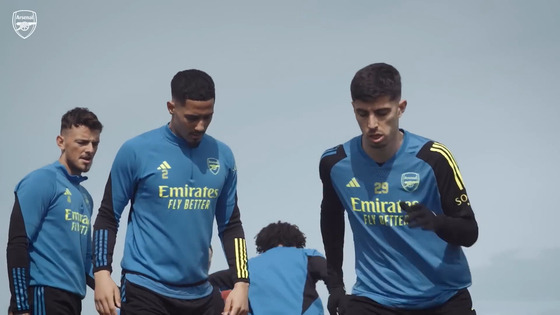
(420, 216)
(337, 301)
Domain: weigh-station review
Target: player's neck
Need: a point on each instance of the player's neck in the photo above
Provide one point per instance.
(382, 154)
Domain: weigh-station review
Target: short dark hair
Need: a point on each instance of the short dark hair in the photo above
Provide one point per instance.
(279, 233)
(80, 116)
(192, 84)
(375, 81)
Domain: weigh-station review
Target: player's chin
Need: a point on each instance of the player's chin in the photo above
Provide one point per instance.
(377, 145)
(85, 168)
(194, 142)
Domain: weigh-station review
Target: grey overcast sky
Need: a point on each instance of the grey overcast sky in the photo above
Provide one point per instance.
(479, 76)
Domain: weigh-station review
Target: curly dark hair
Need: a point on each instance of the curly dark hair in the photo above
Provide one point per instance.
(80, 116)
(279, 233)
(375, 81)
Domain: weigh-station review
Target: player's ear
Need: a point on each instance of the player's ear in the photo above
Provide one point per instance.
(170, 107)
(60, 142)
(402, 107)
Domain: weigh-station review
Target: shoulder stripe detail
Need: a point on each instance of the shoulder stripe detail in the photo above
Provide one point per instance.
(241, 258)
(330, 151)
(441, 149)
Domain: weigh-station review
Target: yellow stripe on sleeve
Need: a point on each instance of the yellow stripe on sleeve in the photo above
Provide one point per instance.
(440, 148)
(241, 258)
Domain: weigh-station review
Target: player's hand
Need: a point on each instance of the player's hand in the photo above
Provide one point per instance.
(237, 302)
(337, 301)
(422, 217)
(107, 295)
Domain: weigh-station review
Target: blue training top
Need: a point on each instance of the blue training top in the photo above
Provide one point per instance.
(396, 265)
(175, 191)
(51, 219)
(283, 281)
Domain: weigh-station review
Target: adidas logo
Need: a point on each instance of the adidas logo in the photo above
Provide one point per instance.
(164, 166)
(67, 193)
(353, 183)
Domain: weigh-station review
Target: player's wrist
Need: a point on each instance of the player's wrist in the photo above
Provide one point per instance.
(100, 268)
(101, 274)
(337, 291)
(241, 284)
(439, 222)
